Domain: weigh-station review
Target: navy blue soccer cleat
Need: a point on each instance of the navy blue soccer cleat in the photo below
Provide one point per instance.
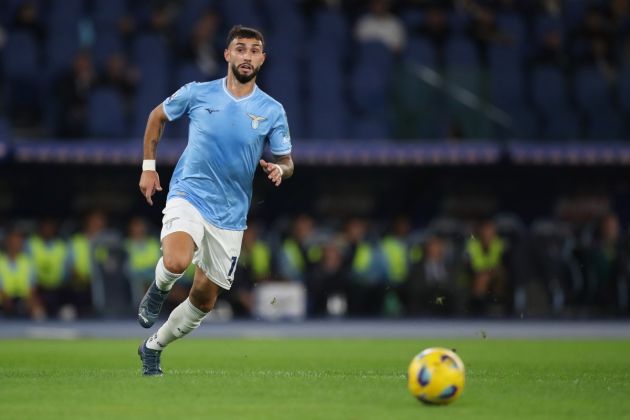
(150, 360)
(151, 305)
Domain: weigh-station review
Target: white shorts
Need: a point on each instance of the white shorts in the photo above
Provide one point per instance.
(216, 250)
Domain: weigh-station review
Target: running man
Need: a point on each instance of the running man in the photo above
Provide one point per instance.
(209, 196)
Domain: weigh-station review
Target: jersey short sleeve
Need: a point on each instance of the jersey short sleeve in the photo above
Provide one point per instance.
(178, 103)
(279, 136)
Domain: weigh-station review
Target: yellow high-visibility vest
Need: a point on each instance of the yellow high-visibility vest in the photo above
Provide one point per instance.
(81, 262)
(49, 260)
(261, 260)
(143, 255)
(15, 277)
(482, 260)
(395, 252)
(362, 258)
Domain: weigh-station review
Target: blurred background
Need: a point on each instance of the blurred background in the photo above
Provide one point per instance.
(453, 158)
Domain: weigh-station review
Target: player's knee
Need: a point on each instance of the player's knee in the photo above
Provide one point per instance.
(176, 264)
(202, 300)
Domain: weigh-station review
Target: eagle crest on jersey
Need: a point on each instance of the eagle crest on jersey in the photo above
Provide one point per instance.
(256, 120)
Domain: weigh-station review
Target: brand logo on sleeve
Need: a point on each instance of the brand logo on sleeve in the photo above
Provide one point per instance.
(256, 120)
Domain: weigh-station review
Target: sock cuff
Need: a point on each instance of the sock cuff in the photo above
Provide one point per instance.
(194, 309)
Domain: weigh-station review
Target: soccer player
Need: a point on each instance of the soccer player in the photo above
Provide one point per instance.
(231, 120)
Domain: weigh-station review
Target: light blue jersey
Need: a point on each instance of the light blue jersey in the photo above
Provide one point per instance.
(226, 138)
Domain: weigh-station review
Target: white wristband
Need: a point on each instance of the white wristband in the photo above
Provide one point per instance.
(280, 169)
(148, 165)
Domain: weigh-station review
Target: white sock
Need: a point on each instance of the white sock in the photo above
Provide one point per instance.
(181, 321)
(164, 279)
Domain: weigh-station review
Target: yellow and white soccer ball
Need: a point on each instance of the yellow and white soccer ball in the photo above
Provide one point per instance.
(436, 376)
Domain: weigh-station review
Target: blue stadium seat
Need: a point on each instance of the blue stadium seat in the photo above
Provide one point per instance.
(106, 44)
(285, 18)
(327, 109)
(281, 79)
(549, 89)
(524, 124)
(549, 95)
(188, 72)
(106, 13)
(420, 51)
(594, 97)
(63, 14)
(412, 18)
(243, 12)
(150, 94)
(624, 89)
(21, 56)
(61, 47)
(545, 24)
(514, 25)
(462, 64)
(331, 26)
(508, 91)
(459, 21)
(563, 124)
(106, 114)
(374, 127)
(150, 51)
(370, 91)
(371, 77)
(506, 78)
(189, 13)
(574, 11)
(153, 60)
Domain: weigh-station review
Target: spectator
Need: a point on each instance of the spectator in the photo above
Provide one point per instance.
(550, 50)
(435, 27)
(593, 41)
(608, 261)
(119, 75)
(327, 280)
(366, 285)
(73, 91)
(299, 252)
(381, 25)
(27, 20)
(160, 22)
(143, 253)
(431, 289)
(202, 46)
(17, 279)
(84, 253)
(484, 31)
(254, 266)
(396, 253)
(50, 255)
(485, 268)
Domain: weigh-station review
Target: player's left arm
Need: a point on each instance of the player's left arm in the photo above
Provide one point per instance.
(281, 169)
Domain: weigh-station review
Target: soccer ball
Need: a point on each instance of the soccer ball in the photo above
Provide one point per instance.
(436, 376)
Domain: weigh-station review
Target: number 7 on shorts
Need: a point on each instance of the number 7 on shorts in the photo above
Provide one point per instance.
(232, 266)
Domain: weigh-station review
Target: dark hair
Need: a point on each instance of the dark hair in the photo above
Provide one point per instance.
(240, 31)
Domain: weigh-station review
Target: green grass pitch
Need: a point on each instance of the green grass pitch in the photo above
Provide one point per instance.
(310, 379)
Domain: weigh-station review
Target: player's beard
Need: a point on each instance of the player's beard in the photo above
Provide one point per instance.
(244, 78)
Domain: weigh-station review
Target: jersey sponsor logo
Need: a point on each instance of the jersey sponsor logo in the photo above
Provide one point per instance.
(211, 111)
(256, 120)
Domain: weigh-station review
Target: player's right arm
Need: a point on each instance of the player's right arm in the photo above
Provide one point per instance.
(150, 180)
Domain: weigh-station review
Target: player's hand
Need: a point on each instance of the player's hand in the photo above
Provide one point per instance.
(273, 171)
(149, 185)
